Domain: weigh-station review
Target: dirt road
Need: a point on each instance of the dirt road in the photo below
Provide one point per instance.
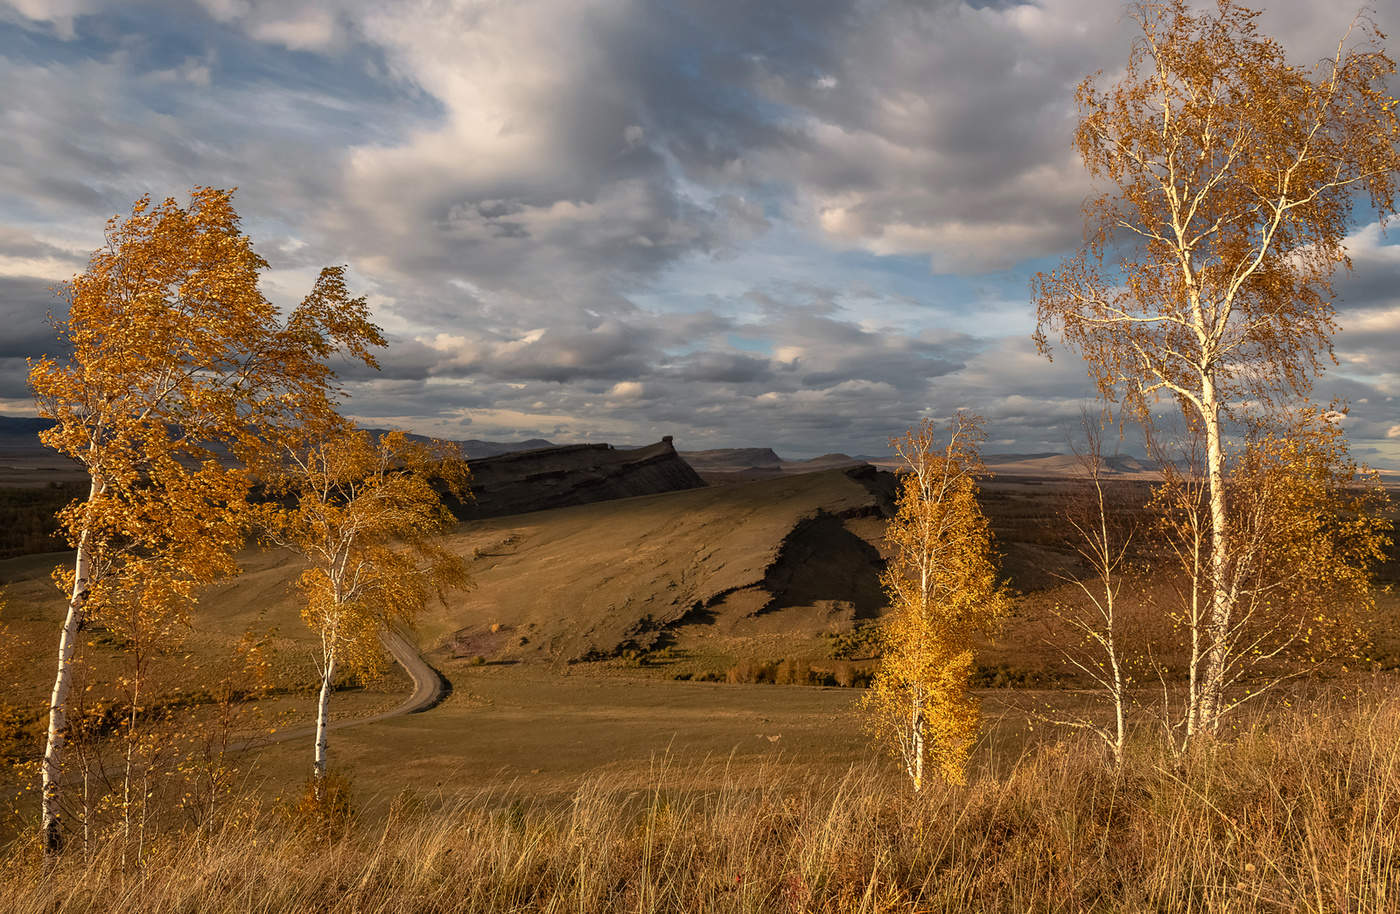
(429, 688)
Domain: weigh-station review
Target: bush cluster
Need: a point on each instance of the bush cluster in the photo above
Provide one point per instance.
(793, 671)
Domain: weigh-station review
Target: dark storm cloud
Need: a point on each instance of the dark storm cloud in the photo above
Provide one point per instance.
(721, 367)
(25, 303)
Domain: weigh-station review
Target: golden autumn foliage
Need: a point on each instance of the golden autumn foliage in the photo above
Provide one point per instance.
(1232, 177)
(1308, 530)
(943, 590)
(366, 516)
(1206, 277)
(180, 376)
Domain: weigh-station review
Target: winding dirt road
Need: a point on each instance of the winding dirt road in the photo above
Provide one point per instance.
(429, 688)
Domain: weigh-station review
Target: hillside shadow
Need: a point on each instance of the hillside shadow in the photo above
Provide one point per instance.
(821, 560)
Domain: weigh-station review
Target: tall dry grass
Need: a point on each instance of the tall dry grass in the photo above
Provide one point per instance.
(1296, 814)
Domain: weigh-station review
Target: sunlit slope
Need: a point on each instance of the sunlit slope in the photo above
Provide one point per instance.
(566, 584)
(597, 580)
(260, 604)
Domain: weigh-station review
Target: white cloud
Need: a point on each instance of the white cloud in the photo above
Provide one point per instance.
(58, 14)
(312, 30)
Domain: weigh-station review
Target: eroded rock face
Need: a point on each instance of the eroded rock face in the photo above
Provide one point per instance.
(579, 474)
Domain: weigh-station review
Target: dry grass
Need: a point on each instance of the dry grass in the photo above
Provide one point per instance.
(1296, 815)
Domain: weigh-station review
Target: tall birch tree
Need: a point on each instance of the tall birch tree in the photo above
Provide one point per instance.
(1206, 276)
(943, 589)
(180, 377)
(366, 516)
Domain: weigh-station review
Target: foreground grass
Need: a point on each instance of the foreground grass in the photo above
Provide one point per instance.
(1299, 814)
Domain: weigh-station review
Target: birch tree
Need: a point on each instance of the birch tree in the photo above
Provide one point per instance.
(1206, 276)
(370, 525)
(180, 376)
(1308, 529)
(1101, 534)
(943, 589)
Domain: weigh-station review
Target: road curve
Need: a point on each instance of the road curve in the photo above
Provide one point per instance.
(429, 688)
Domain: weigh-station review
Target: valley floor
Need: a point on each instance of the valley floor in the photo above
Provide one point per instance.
(542, 733)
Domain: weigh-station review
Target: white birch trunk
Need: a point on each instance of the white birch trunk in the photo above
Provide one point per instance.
(322, 719)
(918, 772)
(916, 742)
(1218, 623)
(130, 761)
(1121, 733)
(51, 831)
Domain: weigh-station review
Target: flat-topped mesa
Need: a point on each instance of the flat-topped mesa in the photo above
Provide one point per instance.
(729, 458)
(577, 474)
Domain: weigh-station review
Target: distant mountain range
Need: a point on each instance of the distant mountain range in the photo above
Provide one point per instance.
(21, 433)
(475, 447)
(19, 445)
(19, 442)
(740, 464)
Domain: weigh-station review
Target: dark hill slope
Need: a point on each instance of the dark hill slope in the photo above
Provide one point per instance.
(578, 474)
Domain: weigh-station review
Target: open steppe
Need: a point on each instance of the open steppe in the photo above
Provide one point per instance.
(589, 754)
(596, 638)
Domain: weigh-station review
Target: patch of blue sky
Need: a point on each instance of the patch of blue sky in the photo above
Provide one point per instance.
(756, 344)
(787, 265)
(353, 81)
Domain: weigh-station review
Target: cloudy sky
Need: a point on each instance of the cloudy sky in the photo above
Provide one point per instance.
(796, 223)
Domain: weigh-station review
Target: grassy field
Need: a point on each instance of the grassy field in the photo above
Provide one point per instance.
(542, 734)
(1295, 815)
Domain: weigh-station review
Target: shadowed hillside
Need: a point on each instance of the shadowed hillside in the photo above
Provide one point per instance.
(578, 474)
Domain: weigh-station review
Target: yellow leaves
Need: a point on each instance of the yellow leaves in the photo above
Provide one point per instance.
(1305, 530)
(1235, 204)
(370, 523)
(943, 590)
(179, 368)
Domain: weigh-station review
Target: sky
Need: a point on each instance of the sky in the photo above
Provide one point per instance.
(803, 224)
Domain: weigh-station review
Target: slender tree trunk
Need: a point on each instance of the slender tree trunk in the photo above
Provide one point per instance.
(916, 742)
(1121, 733)
(87, 815)
(130, 760)
(141, 834)
(51, 830)
(1218, 623)
(322, 718)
